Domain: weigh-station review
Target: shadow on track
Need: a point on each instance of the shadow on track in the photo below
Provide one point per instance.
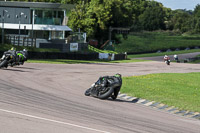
(14, 70)
(30, 68)
(120, 100)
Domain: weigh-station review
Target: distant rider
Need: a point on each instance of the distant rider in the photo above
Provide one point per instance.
(166, 58)
(176, 58)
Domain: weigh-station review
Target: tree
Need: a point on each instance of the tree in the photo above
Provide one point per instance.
(81, 19)
(92, 17)
(153, 17)
(196, 19)
(98, 15)
(181, 21)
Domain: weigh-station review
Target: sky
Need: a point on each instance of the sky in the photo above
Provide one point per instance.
(180, 4)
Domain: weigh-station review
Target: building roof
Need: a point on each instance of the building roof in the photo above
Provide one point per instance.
(36, 5)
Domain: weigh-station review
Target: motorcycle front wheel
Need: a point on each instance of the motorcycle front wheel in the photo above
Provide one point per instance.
(3, 63)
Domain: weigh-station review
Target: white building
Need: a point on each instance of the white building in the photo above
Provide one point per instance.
(43, 21)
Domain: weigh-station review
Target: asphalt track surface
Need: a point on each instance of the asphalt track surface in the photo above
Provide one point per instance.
(49, 98)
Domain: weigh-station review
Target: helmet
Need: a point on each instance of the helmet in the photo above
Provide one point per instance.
(118, 75)
(24, 50)
(13, 48)
(165, 56)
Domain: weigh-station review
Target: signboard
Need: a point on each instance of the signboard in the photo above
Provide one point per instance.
(84, 36)
(73, 47)
(106, 56)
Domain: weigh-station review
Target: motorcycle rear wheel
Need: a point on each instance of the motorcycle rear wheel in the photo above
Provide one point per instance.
(107, 94)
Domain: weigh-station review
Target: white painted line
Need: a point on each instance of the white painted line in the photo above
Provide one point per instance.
(50, 120)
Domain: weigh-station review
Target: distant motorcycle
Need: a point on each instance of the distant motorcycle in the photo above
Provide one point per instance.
(22, 56)
(167, 60)
(13, 58)
(9, 57)
(105, 87)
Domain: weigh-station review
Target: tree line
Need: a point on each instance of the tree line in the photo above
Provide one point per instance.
(96, 16)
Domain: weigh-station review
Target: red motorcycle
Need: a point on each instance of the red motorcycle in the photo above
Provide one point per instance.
(167, 60)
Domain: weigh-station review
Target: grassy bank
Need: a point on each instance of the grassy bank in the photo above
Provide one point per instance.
(66, 61)
(93, 49)
(174, 89)
(163, 53)
(153, 41)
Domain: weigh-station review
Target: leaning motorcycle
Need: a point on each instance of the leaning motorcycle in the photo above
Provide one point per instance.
(22, 57)
(7, 58)
(105, 87)
(13, 58)
(167, 62)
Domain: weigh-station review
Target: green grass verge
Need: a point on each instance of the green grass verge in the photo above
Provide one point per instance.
(93, 49)
(66, 61)
(163, 53)
(181, 90)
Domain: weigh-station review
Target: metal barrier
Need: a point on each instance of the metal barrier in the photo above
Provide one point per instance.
(21, 40)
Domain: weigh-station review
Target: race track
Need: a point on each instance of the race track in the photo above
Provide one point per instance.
(49, 98)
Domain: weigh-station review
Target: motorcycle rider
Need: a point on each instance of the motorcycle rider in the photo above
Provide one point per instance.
(176, 58)
(18, 57)
(22, 56)
(11, 51)
(166, 58)
(117, 78)
(104, 81)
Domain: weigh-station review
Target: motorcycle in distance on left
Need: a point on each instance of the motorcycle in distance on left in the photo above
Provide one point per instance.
(13, 58)
(22, 56)
(167, 60)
